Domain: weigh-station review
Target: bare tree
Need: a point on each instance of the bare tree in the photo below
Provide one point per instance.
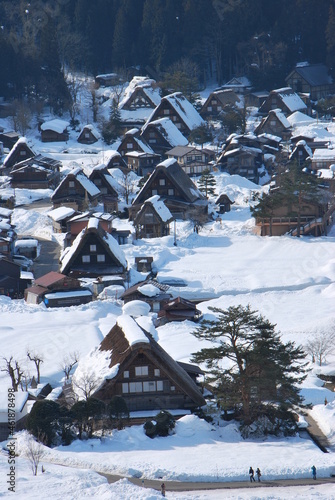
(21, 116)
(34, 454)
(12, 368)
(68, 363)
(86, 384)
(37, 359)
(321, 346)
(94, 103)
(128, 185)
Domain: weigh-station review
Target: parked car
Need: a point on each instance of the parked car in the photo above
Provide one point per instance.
(25, 263)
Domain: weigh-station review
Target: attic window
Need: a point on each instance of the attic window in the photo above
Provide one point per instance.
(126, 374)
(130, 145)
(93, 248)
(101, 258)
(71, 184)
(162, 182)
(170, 192)
(86, 258)
(157, 372)
(141, 371)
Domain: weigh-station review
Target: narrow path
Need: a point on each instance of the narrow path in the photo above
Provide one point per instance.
(317, 435)
(191, 486)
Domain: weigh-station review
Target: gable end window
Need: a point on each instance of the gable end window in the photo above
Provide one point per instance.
(93, 248)
(141, 371)
(85, 258)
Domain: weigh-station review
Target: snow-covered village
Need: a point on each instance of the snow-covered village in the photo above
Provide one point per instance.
(167, 275)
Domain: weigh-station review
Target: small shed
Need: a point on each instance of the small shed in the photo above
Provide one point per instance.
(224, 203)
(179, 309)
(89, 135)
(54, 131)
(10, 425)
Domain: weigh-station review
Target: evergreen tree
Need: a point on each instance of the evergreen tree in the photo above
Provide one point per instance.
(298, 186)
(266, 206)
(207, 183)
(112, 129)
(118, 411)
(200, 135)
(250, 368)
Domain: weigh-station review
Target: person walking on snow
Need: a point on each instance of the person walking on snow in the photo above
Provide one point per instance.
(251, 474)
(258, 474)
(313, 471)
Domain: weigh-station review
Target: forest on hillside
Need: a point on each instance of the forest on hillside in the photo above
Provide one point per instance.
(263, 39)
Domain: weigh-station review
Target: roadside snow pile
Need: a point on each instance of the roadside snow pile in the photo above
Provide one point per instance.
(324, 414)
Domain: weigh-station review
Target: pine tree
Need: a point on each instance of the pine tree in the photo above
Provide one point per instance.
(264, 211)
(250, 368)
(207, 183)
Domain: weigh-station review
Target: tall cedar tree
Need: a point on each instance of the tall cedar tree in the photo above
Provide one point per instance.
(207, 183)
(264, 210)
(299, 187)
(249, 367)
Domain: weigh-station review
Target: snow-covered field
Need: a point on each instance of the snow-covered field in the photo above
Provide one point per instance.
(290, 281)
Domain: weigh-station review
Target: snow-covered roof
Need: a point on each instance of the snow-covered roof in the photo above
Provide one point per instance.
(92, 129)
(19, 142)
(324, 154)
(169, 131)
(133, 333)
(31, 243)
(64, 295)
(55, 125)
(185, 109)
(281, 117)
(136, 308)
(88, 185)
(94, 365)
(148, 290)
(298, 118)
(147, 86)
(290, 98)
(160, 207)
(20, 399)
(60, 213)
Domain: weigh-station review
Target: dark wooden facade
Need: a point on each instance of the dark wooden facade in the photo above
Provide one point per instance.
(132, 141)
(54, 131)
(75, 191)
(216, 102)
(103, 181)
(88, 135)
(93, 253)
(142, 163)
(11, 283)
(162, 135)
(147, 377)
(312, 79)
(19, 152)
(176, 189)
(275, 123)
(149, 222)
(179, 309)
(180, 111)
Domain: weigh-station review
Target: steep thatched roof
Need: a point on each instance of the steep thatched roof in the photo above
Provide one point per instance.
(127, 338)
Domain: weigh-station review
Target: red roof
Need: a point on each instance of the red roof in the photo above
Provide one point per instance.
(49, 279)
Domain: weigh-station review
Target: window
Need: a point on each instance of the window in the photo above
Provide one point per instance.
(166, 111)
(71, 184)
(173, 388)
(93, 248)
(219, 108)
(23, 153)
(209, 108)
(171, 192)
(149, 386)
(156, 306)
(97, 182)
(141, 371)
(129, 145)
(101, 258)
(162, 182)
(126, 374)
(87, 135)
(125, 388)
(157, 372)
(135, 387)
(86, 258)
(153, 192)
(159, 385)
(103, 190)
